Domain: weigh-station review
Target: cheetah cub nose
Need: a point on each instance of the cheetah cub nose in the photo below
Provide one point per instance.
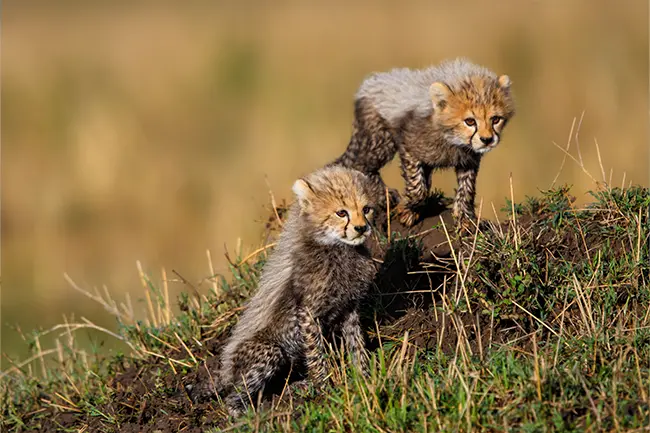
(361, 229)
(487, 140)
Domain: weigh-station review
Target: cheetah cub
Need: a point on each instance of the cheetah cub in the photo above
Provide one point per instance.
(444, 116)
(310, 287)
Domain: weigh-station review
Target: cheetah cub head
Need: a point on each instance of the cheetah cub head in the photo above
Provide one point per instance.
(473, 112)
(335, 205)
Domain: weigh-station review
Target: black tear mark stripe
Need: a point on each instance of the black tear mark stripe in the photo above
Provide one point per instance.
(471, 139)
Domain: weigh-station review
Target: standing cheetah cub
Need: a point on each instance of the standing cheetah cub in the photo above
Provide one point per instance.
(310, 287)
(444, 116)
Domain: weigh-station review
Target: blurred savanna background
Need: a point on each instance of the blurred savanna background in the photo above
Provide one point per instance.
(153, 131)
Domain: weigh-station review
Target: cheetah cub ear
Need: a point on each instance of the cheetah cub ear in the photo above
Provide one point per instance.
(304, 193)
(504, 82)
(439, 93)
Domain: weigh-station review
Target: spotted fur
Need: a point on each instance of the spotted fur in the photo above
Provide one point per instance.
(309, 290)
(443, 116)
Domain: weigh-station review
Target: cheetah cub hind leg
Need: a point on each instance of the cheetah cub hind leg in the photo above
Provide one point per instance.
(256, 363)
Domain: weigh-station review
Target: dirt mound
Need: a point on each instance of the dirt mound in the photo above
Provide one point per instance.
(438, 291)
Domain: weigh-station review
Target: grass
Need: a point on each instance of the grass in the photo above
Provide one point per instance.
(540, 323)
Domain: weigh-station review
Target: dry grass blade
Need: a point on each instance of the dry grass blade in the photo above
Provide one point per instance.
(17, 367)
(215, 288)
(536, 319)
(584, 305)
(582, 167)
(566, 152)
(189, 352)
(514, 219)
(273, 203)
(256, 252)
(388, 213)
(108, 303)
(457, 263)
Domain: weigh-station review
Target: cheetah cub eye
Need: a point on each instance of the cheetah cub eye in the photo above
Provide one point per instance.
(342, 213)
(496, 120)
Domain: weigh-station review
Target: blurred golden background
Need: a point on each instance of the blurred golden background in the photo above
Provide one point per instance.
(149, 131)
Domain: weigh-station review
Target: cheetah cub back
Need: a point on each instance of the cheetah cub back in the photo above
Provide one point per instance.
(310, 289)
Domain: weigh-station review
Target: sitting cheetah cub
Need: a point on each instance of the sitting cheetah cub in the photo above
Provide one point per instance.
(310, 287)
(449, 115)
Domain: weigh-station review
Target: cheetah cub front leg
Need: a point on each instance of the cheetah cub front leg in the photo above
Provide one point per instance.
(417, 179)
(355, 344)
(463, 209)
